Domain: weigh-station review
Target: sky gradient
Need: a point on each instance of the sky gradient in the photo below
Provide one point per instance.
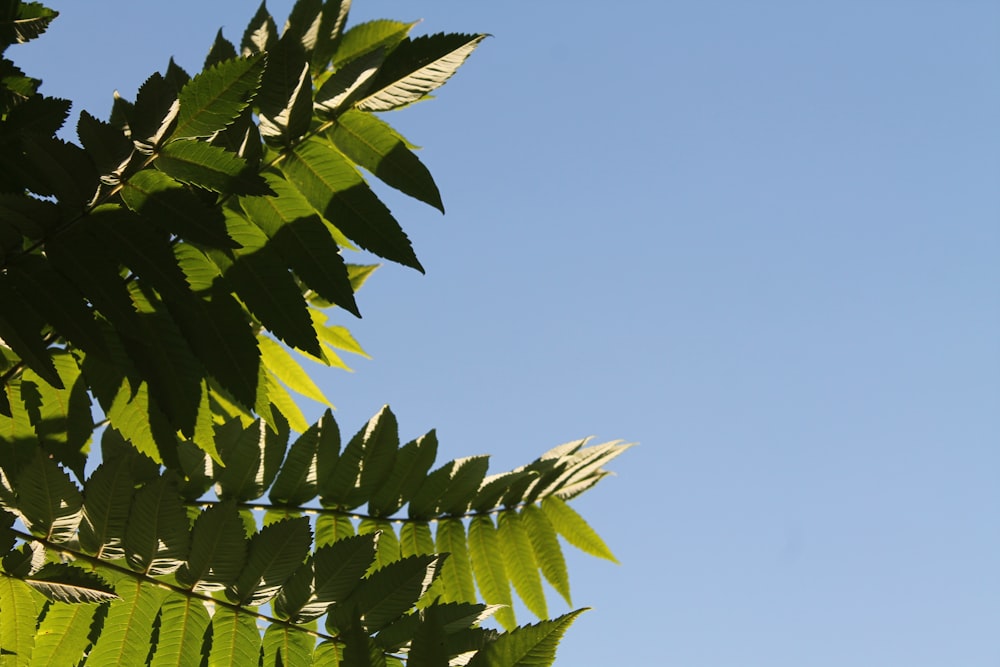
(760, 239)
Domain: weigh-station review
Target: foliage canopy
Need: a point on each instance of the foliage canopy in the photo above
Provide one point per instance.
(158, 275)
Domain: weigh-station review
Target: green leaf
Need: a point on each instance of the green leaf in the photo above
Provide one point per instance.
(415, 539)
(235, 639)
(488, 566)
(387, 544)
(457, 570)
(367, 37)
(62, 635)
(175, 209)
(335, 189)
(548, 553)
(519, 562)
(417, 67)
(527, 646)
(49, 502)
(275, 553)
(218, 549)
(105, 508)
(304, 242)
(128, 627)
(331, 528)
(17, 622)
(214, 98)
(285, 368)
(61, 582)
(287, 646)
(296, 482)
(373, 144)
(157, 536)
(183, 622)
(210, 167)
(572, 526)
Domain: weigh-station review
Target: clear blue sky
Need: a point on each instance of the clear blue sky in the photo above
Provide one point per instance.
(761, 239)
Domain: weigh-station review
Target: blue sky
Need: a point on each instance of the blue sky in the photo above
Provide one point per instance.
(761, 239)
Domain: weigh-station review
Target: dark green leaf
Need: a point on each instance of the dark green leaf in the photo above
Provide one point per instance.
(285, 99)
(50, 167)
(107, 146)
(154, 115)
(30, 21)
(275, 553)
(175, 209)
(210, 167)
(391, 591)
(331, 28)
(339, 569)
(334, 187)
(218, 549)
(303, 241)
(261, 33)
(465, 480)
(413, 461)
(371, 143)
(296, 482)
(39, 115)
(222, 49)
(86, 261)
(21, 330)
(263, 283)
